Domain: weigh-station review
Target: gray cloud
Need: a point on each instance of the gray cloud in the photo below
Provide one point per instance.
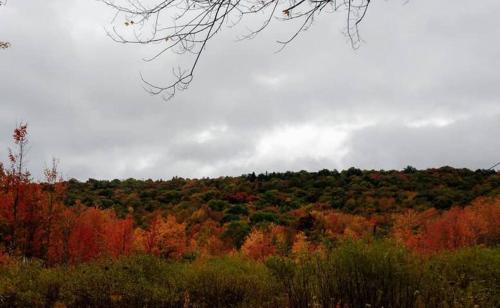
(465, 143)
(422, 90)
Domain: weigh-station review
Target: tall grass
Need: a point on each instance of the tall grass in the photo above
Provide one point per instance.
(355, 274)
(358, 274)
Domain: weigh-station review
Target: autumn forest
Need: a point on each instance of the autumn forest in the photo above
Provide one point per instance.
(354, 238)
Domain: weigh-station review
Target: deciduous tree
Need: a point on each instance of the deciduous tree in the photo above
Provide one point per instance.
(258, 245)
(164, 237)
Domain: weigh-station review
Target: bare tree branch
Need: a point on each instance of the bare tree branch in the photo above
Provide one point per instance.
(185, 26)
(494, 166)
(4, 45)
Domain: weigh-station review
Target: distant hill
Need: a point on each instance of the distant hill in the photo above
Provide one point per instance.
(270, 196)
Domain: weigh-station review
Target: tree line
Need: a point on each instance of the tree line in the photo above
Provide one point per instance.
(69, 222)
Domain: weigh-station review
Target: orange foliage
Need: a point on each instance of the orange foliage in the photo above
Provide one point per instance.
(207, 238)
(37, 224)
(340, 225)
(258, 245)
(282, 238)
(165, 237)
(301, 245)
(408, 224)
(427, 232)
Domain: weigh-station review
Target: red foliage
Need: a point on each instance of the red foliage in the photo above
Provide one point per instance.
(428, 232)
(119, 236)
(240, 197)
(20, 133)
(86, 240)
(59, 249)
(4, 257)
(94, 233)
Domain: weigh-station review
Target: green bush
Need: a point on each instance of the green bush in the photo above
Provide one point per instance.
(136, 281)
(355, 274)
(465, 278)
(231, 282)
(381, 274)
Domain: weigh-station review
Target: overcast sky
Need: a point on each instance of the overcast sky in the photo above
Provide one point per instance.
(423, 90)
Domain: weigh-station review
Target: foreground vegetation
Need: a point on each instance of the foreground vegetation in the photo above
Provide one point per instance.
(354, 274)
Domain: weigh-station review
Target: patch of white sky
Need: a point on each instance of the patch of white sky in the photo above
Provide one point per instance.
(271, 80)
(305, 140)
(207, 135)
(435, 120)
(319, 141)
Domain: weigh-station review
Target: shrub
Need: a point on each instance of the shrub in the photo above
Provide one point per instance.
(231, 282)
(354, 274)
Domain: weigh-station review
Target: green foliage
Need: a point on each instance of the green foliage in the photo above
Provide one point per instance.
(230, 217)
(467, 277)
(231, 282)
(356, 191)
(218, 205)
(237, 210)
(264, 216)
(236, 232)
(384, 275)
